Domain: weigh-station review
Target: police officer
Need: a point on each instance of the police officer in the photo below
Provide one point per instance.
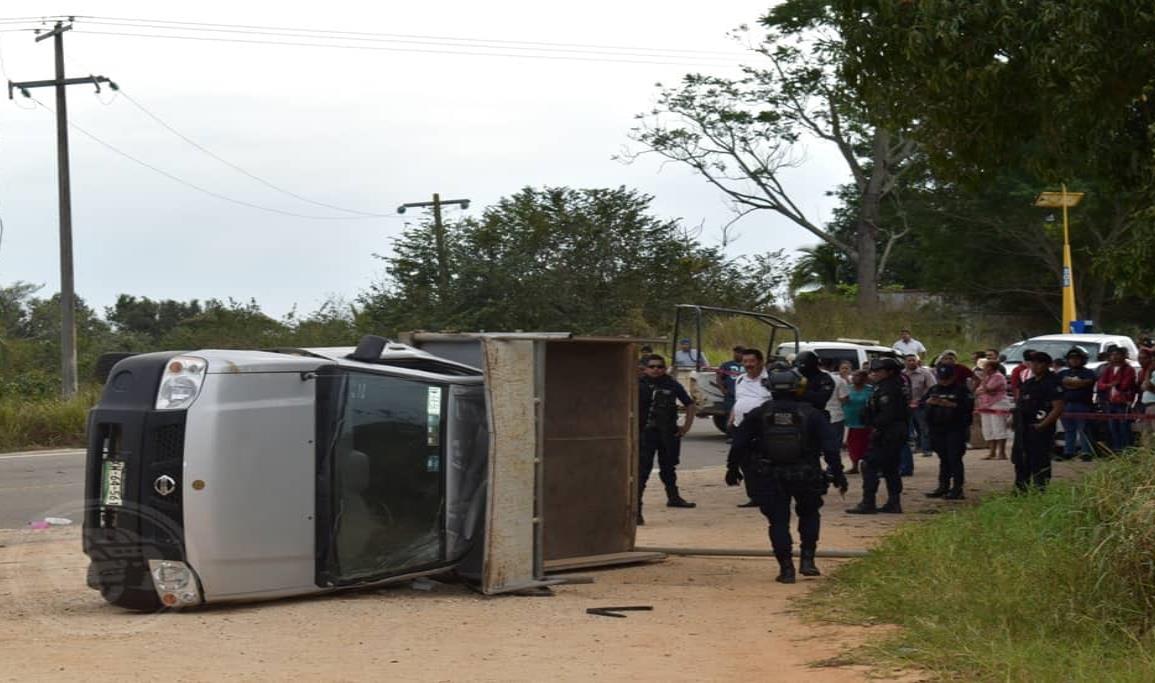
(887, 413)
(819, 385)
(949, 407)
(659, 433)
(778, 446)
(1039, 407)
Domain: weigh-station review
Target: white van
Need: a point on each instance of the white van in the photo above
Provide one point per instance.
(1057, 345)
(858, 351)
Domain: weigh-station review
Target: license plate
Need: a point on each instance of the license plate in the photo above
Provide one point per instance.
(112, 489)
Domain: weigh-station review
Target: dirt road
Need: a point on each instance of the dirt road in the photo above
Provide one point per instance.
(713, 618)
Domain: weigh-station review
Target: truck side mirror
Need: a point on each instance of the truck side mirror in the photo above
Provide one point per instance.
(369, 349)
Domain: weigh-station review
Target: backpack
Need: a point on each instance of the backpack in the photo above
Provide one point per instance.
(783, 437)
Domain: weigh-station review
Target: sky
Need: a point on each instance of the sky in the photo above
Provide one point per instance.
(359, 129)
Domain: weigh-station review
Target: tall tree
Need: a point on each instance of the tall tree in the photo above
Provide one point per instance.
(1060, 87)
(558, 258)
(744, 135)
(1053, 91)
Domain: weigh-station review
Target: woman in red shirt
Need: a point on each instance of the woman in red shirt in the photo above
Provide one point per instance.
(1116, 390)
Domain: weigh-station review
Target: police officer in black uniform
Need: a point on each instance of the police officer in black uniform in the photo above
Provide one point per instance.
(819, 385)
(1039, 407)
(659, 433)
(778, 446)
(949, 409)
(887, 413)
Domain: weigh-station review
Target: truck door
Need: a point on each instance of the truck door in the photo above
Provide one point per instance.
(380, 491)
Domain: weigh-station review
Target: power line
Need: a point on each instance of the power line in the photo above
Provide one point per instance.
(210, 26)
(242, 171)
(196, 187)
(402, 49)
(436, 42)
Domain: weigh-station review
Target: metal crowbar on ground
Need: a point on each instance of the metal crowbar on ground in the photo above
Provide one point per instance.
(613, 611)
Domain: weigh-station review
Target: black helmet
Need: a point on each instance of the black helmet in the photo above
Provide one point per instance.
(886, 363)
(784, 382)
(807, 362)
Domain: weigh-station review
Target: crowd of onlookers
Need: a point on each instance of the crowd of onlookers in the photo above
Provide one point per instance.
(1102, 407)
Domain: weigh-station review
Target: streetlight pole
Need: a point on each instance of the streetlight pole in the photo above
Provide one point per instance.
(1064, 199)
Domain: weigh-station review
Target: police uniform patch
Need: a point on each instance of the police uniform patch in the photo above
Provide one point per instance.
(884, 399)
(783, 418)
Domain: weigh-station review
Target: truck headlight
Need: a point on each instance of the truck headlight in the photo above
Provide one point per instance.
(174, 582)
(181, 382)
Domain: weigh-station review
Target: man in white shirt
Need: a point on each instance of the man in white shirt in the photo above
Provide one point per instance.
(840, 395)
(907, 345)
(749, 393)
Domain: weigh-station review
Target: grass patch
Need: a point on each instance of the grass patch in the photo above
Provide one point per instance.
(44, 423)
(1057, 586)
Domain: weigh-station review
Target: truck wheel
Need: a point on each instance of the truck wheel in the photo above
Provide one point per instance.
(720, 423)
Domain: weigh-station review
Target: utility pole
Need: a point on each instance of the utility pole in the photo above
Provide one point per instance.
(68, 379)
(438, 235)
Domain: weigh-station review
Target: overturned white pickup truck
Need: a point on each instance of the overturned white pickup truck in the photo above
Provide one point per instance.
(237, 475)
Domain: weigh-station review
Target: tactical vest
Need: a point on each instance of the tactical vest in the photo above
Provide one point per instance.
(663, 410)
(783, 439)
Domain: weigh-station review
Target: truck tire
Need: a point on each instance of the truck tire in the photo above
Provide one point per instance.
(720, 422)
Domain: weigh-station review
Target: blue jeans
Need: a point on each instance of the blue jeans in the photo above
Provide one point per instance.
(1120, 430)
(920, 430)
(1075, 431)
(906, 459)
(832, 443)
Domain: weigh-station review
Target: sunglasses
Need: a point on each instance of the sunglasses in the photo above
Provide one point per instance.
(656, 367)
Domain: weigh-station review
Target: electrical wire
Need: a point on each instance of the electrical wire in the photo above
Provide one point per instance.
(438, 41)
(212, 26)
(401, 49)
(238, 169)
(198, 188)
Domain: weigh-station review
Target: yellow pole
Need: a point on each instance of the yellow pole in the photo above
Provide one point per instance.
(1069, 314)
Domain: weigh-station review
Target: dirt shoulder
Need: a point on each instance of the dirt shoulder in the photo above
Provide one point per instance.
(713, 618)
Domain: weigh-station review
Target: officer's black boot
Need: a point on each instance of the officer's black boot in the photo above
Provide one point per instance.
(785, 567)
(893, 505)
(675, 500)
(806, 566)
(940, 492)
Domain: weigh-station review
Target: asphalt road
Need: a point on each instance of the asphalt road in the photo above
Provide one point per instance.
(40, 484)
(43, 484)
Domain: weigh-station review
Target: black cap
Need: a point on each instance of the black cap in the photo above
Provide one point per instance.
(1077, 351)
(885, 363)
(807, 361)
(944, 372)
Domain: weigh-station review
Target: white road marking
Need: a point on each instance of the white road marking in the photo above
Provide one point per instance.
(43, 454)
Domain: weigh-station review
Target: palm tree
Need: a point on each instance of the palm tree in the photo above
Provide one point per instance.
(820, 266)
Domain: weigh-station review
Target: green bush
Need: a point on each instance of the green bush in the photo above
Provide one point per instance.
(44, 423)
(1057, 586)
